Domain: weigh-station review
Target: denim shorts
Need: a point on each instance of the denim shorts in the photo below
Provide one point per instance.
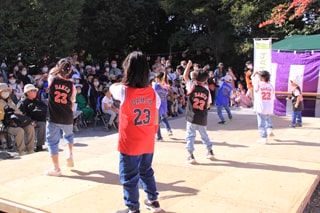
(54, 132)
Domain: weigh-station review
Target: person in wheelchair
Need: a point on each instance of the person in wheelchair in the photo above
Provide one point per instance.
(108, 107)
(7, 107)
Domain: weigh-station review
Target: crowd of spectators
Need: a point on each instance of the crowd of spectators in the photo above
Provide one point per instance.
(93, 79)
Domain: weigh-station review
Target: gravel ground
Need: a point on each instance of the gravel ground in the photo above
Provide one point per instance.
(314, 204)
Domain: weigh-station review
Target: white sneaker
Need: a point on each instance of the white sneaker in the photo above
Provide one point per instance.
(270, 132)
(53, 172)
(262, 140)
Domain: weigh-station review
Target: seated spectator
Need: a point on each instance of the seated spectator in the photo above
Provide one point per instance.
(87, 86)
(104, 78)
(114, 70)
(242, 97)
(37, 110)
(42, 85)
(90, 70)
(19, 132)
(95, 92)
(107, 106)
(24, 76)
(87, 112)
(76, 78)
(15, 88)
(171, 75)
(113, 79)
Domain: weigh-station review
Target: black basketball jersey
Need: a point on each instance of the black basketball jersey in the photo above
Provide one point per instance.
(295, 99)
(60, 104)
(197, 111)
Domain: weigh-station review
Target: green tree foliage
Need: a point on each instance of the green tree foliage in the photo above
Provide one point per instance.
(38, 28)
(245, 17)
(201, 25)
(226, 27)
(109, 26)
(223, 30)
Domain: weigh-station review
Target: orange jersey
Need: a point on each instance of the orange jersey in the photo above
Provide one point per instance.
(137, 119)
(248, 80)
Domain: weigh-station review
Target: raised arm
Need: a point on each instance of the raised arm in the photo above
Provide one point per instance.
(187, 71)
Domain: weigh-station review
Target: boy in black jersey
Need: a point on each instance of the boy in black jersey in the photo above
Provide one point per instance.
(60, 103)
(197, 114)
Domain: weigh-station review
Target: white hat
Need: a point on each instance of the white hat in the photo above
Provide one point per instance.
(295, 79)
(227, 78)
(151, 76)
(78, 85)
(76, 76)
(29, 87)
(220, 64)
(88, 67)
(4, 87)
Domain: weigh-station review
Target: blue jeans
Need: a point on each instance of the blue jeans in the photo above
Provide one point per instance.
(219, 111)
(191, 135)
(53, 135)
(296, 117)
(163, 119)
(135, 169)
(264, 123)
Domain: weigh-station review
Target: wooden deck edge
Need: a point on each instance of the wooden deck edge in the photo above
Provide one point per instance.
(306, 200)
(14, 207)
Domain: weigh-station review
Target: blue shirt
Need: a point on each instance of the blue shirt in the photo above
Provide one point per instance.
(224, 94)
(162, 92)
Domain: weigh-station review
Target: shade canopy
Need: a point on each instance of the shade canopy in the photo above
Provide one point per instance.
(298, 43)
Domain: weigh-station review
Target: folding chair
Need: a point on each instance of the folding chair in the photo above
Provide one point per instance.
(104, 117)
(81, 123)
(99, 115)
(78, 117)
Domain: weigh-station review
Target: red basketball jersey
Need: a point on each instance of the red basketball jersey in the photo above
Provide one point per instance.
(137, 119)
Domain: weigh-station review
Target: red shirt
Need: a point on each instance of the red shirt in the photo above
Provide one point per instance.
(137, 118)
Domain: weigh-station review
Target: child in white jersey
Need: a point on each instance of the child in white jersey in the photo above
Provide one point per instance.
(263, 103)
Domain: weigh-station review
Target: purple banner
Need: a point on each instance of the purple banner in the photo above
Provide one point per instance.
(284, 61)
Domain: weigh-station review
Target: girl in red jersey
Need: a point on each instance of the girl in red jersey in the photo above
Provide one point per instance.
(138, 122)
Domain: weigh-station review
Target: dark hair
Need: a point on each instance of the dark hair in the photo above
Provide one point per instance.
(160, 75)
(11, 75)
(265, 74)
(203, 75)
(106, 89)
(179, 67)
(136, 71)
(64, 66)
